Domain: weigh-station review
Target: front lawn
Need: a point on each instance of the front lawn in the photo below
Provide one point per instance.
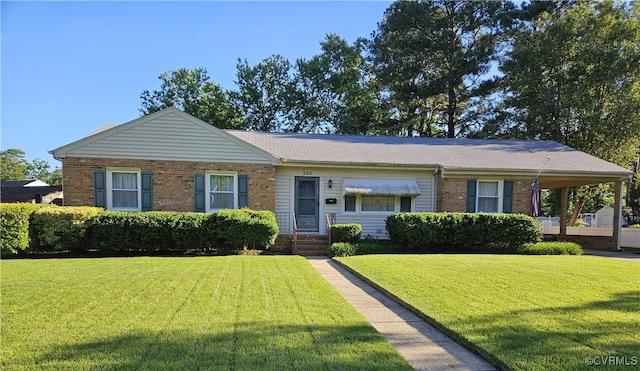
(522, 312)
(233, 313)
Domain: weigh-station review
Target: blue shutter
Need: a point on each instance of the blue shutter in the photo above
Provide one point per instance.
(243, 190)
(147, 191)
(471, 195)
(199, 193)
(99, 188)
(507, 198)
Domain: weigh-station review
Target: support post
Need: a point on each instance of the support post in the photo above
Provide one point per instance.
(564, 209)
(617, 215)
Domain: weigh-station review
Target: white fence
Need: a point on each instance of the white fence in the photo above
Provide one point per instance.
(629, 237)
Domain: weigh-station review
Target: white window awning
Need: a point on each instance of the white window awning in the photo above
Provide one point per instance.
(381, 187)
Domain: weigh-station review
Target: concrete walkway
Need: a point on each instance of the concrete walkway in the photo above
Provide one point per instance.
(621, 255)
(421, 344)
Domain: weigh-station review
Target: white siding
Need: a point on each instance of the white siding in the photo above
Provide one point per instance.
(372, 224)
(168, 137)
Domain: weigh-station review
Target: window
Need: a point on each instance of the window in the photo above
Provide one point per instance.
(222, 191)
(405, 204)
(378, 203)
(123, 190)
(350, 203)
(372, 204)
(488, 196)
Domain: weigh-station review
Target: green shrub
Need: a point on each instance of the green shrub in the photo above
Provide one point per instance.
(60, 228)
(194, 231)
(246, 228)
(361, 248)
(366, 247)
(551, 248)
(14, 227)
(117, 231)
(162, 231)
(346, 232)
(463, 231)
(635, 226)
(342, 249)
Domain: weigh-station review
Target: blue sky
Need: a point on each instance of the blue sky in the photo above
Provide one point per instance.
(71, 67)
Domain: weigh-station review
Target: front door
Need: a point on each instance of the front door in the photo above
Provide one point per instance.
(307, 203)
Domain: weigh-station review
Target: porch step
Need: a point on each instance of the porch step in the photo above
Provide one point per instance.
(311, 245)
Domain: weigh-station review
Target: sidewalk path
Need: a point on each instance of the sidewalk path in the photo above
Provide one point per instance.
(613, 254)
(421, 344)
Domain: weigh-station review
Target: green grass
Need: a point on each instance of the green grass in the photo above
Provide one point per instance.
(229, 313)
(521, 312)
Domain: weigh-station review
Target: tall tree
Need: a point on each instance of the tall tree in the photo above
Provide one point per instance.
(13, 164)
(266, 93)
(573, 76)
(336, 91)
(192, 91)
(433, 58)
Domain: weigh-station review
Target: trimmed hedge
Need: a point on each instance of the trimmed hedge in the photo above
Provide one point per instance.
(194, 231)
(551, 248)
(463, 231)
(247, 228)
(158, 231)
(361, 248)
(14, 226)
(346, 232)
(114, 231)
(43, 228)
(60, 228)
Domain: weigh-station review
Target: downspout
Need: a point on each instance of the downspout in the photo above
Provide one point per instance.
(434, 193)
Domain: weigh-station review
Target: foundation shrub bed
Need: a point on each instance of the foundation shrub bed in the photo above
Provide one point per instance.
(551, 248)
(346, 232)
(362, 247)
(246, 228)
(467, 232)
(14, 227)
(44, 229)
(113, 231)
(60, 228)
(116, 231)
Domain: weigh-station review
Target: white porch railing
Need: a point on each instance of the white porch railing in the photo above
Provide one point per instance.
(629, 237)
(329, 220)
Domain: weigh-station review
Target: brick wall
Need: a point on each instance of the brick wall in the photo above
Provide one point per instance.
(588, 242)
(451, 195)
(173, 181)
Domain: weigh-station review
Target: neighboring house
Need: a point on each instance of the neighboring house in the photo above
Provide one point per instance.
(30, 191)
(170, 160)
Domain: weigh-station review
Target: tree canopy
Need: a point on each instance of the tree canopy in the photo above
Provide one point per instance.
(567, 71)
(15, 166)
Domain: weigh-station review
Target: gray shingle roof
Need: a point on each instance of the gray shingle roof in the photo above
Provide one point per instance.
(460, 153)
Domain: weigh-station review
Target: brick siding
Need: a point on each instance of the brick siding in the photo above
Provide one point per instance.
(588, 242)
(451, 194)
(173, 181)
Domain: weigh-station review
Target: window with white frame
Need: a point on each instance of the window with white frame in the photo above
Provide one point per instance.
(378, 203)
(123, 190)
(488, 196)
(372, 204)
(222, 190)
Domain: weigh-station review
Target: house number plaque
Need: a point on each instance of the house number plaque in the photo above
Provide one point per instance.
(307, 173)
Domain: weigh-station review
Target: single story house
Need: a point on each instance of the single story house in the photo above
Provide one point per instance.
(170, 160)
(30, 191)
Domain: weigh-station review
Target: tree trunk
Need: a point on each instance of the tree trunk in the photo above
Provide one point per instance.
(451, 112)
(577, 207)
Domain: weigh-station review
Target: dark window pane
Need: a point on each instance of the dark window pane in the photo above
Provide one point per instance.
(350, 203)
(405, 204)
